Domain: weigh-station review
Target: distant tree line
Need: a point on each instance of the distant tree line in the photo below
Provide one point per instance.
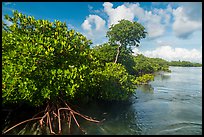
(184, 64)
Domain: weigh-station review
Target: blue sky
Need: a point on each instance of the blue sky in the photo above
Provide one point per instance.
(174, 29)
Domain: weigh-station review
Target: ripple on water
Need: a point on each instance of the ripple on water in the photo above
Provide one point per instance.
(184, 128)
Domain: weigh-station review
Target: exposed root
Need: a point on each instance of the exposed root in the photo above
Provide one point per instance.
(69, 120)
(58, 112)
(50, 116)
(77, 122)
(51, 131)
(21, 123)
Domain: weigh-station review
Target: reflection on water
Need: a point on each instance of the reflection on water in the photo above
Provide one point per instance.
(120, 119)
(162, 76)
(146, 88)
(171, 104)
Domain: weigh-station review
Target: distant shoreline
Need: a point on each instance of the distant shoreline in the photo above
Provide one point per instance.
(184, 64)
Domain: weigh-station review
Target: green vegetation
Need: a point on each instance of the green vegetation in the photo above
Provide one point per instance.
(146, 65)
(144, 79)
(45, 63)
(184, 64)
(126, 34)
(43, 60)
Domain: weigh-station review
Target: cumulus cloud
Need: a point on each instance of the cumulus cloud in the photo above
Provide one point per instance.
(121, 12)
(187, 19)
(162, 43)
(165, 14)
(93, 20)
(155, 22)
(169, 53)
(180, 18)
(94, 27)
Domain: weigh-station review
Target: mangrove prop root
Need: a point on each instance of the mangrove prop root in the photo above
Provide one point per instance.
(77, 122)
(47, 121)
(50, 124)
(58, 112)
(21, 123)
(41, 120)
(54, 114)
(70, 119)
(50, 116)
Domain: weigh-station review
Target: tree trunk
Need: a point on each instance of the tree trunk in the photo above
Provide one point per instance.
(118, 51)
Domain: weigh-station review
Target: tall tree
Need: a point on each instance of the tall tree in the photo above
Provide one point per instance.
(126, 34)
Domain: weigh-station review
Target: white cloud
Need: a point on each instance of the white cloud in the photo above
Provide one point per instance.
(155, 22)
(187, 19)
(94, 27)
(165, 14)
(151, 20)
(93, 19)
(155, 30)
(86, 25)
(177, 20)
(121, 12)
(169, 53)
(162, 43)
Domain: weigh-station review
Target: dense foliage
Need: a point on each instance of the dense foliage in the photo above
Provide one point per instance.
(107, 52)
(144, 79)
(184, 64)
(140, 68)
(114, 82)
(146, 65)
(44, 60)
(135, 65)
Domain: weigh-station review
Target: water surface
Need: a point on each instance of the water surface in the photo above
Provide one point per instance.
(171, 104)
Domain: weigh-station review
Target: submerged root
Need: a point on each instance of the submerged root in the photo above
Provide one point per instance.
(65, 113)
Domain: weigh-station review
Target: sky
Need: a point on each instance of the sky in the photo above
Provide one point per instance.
(174, 28)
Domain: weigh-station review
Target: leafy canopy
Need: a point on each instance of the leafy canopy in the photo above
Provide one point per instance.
(43, 60)
(126, 33)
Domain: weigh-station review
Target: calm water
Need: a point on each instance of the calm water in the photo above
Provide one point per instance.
(171, 104)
